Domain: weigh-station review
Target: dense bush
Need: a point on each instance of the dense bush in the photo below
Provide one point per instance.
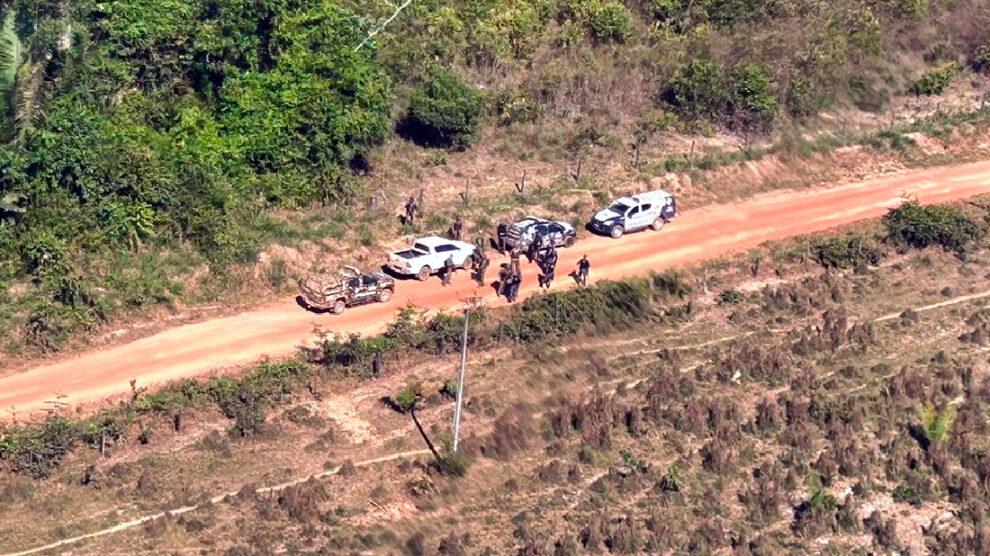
(697, 90)
(920, 226)
(443, 112)
(607, 306)
(605, 20)
(935, 81)
(742, 97)
(849, 251)
(38, 449)
(720, 13)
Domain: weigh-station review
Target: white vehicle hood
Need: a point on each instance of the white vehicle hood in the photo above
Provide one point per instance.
(606, 215)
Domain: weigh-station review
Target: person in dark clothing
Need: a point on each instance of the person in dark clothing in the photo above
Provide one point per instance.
(448, 271)
(504, 275)
(548, 264)
(514, 281)
(480, 267)
(456, 228)
(411, 209)
(377, 365)
(535, 247)
(501, 233)
(584, 268)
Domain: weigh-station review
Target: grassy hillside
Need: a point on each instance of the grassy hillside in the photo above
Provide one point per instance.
(149, 139)
(826, 395)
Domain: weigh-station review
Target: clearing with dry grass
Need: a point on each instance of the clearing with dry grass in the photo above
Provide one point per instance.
(821, 395)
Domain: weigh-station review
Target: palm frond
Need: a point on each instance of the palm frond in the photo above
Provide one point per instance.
(27, 95)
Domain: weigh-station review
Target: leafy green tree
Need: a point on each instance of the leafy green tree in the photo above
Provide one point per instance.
(443, 112)
(751, 95)
(697, 90)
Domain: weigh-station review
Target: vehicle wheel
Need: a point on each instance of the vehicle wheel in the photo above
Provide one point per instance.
(424, 273)
(384, 296)
(617, 232)
(339, 307)
(657, 224)
(569, 242)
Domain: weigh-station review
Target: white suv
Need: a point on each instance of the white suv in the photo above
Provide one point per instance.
(630, 214)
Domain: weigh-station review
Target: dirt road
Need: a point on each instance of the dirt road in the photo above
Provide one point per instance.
(277, 329)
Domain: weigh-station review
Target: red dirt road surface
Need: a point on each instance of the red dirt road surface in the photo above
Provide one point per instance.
(278, 329)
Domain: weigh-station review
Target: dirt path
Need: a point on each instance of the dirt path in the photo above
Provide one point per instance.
(215, 500)
(277, 329)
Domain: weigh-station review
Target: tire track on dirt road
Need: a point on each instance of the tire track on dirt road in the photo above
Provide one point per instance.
(279, 328)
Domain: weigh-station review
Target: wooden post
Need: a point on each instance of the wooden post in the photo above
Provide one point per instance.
(521, 184)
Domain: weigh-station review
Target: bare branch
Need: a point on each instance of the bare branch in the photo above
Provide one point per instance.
(383, 24)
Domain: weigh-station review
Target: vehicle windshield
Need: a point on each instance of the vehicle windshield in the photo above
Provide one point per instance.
(619, 208)
(421, 247)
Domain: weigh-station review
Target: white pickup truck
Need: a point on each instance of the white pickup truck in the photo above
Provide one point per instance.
(427, 256)
(629, 214)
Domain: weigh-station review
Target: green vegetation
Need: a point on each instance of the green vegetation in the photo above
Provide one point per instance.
(145, 139)
(921, 226)
(742, 98)
(605, 21)
(444, 112)
(849, 251)
(36, 449)
(937, 424)
(935, 81)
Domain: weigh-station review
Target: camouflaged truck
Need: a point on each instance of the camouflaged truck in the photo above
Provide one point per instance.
(345, 288)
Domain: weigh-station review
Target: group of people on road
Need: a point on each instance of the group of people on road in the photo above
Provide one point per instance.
(542, 252)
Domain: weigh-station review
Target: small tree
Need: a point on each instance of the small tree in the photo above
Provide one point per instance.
(753, 103)
(443, 112)
(407, 400)
(935, 81)
(936, 426)
(697, 90)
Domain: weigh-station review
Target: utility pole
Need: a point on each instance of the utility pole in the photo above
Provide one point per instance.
(460, 381)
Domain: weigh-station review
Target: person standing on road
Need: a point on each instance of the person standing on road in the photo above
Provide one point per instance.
(514, 281)
(584, 268)
(514, 261)
(480, 267)
(535, 247)
(549, 267)
(448, 271)
(504, 275)
(501, 233)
